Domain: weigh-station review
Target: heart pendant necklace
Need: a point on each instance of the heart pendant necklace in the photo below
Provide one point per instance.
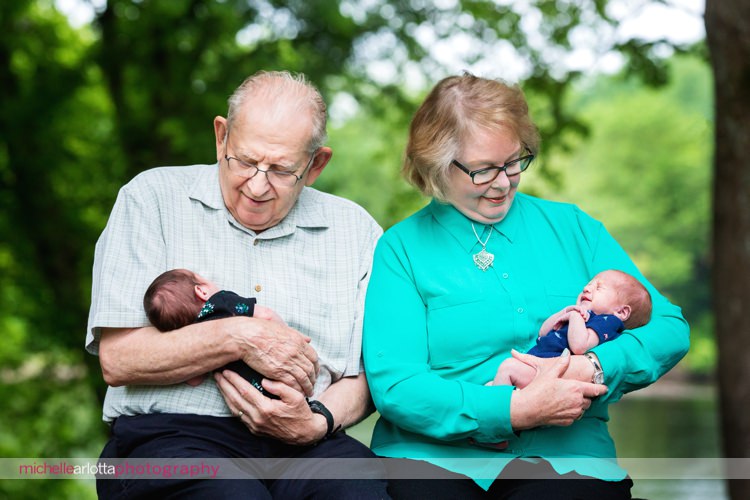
(483, 259)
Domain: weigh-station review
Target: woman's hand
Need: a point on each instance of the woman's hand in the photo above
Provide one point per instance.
(549, 399)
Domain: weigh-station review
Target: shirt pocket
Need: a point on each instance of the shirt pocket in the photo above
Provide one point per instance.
(314, 319)
(464, 330)
(559, 297)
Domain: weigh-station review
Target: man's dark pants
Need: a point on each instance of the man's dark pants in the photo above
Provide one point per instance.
(163, 436)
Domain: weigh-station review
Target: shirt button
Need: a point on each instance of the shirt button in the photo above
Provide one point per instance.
(520, 310)
(258, 288)
(505, 275)
(255, 242)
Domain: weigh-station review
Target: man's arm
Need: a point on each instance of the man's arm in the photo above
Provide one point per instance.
(147, 356)
(348, 400)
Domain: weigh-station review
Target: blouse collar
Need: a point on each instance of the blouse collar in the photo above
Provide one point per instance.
(459, 226)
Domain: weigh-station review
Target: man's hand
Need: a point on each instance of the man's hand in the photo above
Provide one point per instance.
(288, 419)
(279, 353)
(550, 399)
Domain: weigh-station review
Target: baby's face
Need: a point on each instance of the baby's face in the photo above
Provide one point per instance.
(600, 294)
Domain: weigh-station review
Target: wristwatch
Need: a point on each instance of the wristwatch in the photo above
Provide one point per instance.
(319, 408)
(598, 377)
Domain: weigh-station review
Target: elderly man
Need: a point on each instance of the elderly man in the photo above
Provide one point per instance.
(250, 223)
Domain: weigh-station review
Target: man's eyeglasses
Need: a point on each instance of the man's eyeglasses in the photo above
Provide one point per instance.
(275, 176)
(489, 174)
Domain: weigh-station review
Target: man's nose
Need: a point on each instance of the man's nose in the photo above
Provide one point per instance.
(258, 184)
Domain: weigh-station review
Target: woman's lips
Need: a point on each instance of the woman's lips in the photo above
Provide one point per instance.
(497, 201)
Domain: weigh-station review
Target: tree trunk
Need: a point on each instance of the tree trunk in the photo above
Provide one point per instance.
(728, 36)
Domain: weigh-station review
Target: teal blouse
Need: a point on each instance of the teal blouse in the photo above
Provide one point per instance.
(436, 329)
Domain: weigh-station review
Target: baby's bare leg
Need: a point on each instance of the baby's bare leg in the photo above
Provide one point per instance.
(514, 372)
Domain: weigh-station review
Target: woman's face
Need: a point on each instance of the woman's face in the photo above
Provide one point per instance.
(488, 203)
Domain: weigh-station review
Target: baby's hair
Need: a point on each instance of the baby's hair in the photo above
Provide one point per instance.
(170, 301)
(633, 293)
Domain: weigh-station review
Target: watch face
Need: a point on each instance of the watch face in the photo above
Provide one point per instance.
(599, 378)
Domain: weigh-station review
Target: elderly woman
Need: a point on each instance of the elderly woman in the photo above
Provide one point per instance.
(470, 277)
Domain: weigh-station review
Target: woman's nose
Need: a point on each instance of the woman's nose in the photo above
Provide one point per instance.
(501, 181)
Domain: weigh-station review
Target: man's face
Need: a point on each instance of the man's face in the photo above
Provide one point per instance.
(273, 141)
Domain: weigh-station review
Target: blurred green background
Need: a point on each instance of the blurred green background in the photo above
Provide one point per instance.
(87, 104)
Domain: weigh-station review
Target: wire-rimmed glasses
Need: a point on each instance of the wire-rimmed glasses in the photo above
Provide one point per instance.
(275, 175)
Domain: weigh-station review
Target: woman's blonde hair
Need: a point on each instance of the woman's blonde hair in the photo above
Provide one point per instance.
(450, 113)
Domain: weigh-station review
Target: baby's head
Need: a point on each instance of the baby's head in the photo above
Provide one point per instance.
(175, 298)
(618, 293)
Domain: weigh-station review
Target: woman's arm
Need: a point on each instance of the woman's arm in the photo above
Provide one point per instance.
(640, 356)
(410, 393)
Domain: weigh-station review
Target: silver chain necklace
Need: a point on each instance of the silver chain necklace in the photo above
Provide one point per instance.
(483, 259)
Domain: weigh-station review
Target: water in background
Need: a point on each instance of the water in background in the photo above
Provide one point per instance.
(670, 420)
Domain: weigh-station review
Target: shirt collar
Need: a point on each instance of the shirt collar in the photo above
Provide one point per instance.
(459, 226)
(306, 212)
(206, 188)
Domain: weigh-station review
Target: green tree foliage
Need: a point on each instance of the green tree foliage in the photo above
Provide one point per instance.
(368, 152)
(55, 154)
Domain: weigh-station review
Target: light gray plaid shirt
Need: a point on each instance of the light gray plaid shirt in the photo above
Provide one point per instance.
(312, 269)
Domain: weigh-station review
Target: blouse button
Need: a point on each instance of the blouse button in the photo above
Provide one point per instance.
(505, 275)
(258, 288)
(520, 310)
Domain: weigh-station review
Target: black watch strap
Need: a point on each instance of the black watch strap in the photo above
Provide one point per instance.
(319, 408)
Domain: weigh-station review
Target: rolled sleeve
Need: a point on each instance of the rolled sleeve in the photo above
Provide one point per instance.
(128, 254)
